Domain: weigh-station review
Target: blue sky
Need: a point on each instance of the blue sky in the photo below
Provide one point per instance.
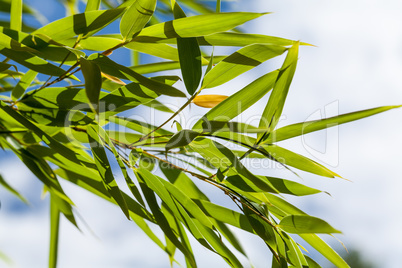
(356, 65)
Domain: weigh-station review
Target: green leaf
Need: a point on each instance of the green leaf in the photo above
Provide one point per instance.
(241, 100)
(189, 55)
(302, 224)
(43, 172)
(136, 17)
(231, 39)
(85, 24)
(92, 5)
(273, 110)
(311, 262)
(298, 129)
(298, 161)
(318, 244)
(190, 63)
(165, 66)
(149, 183)
(196, 25)
(93, 83)
(280, 185)
(6, 66)
(133, 188)
(32, 62)
(92, 182)
(16, 15)
(11, 189)
(159, 50)
(23, 84)
(54, 234)
(239, 62)
(181, 138)
(262, 228)
(105, 169)
(110, 67)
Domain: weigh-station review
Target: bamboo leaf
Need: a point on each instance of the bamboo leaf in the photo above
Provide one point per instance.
(161, 219)
(208, 101)
(299, 129)
(93, 83)
(86, 24)
(133, 188)
(240, 101)
(16, 15)
(298, 161)
(189, 55)
(181, 138)
(23, 84)
(105, 169)
(239, 62)
(136, 17)
(12, 190)
(54, 234)
(273, 110)
(281, 185)
(318, 244)
(260, 226)
(196, 25)
(301, 224)
(110, 67)
(92, 5)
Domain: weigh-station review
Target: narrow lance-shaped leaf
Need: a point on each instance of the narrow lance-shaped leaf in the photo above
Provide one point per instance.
(105, 169)
(93, 82)
(133, 188)
(54, 234)
(189, 55)
(301, 224)
(136, 17)
(92, 5)
(231, 39)
(12, 190)
(148, 189)
(239, 62)
(112, 68)
(23, 84)
(318, 244)
(273, 110)
(16, 15)
(298, 129)
(84, 23)
(241, 100)
(196, 25)
(298, 161)
(208, 101)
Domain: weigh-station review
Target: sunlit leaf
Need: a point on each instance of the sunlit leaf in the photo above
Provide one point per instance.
(298, 129)
(276, 102)
(241, 100)
(136, 17)
(16, 15)
(208, 101)
(239, 62)
(196, 25)
(301, 224)
(12, 190)
(93, 82)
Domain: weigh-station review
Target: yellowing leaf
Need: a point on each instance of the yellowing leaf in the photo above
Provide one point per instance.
(209, 101)
(113, 79)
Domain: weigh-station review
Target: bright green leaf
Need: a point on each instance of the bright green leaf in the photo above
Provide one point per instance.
(136, 17)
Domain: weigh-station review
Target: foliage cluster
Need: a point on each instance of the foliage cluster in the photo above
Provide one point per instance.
(62, 96)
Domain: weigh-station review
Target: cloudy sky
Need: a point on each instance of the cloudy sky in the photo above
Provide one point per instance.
(356, 64)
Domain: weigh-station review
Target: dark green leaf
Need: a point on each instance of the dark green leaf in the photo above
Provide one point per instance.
(93, 82)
